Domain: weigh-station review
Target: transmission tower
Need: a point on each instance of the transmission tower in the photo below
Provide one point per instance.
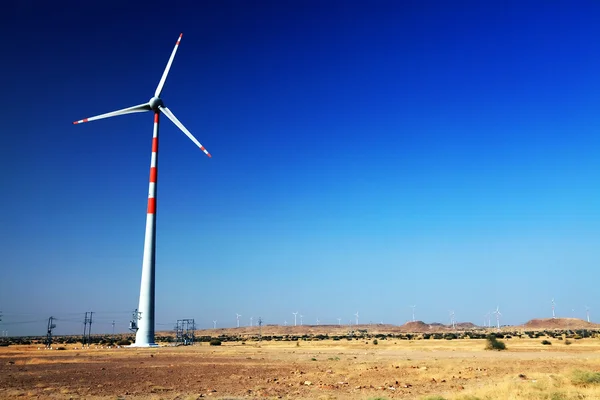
(185, 332)
(87, 329)
(51, 326)
(135, 317)
(260, 321)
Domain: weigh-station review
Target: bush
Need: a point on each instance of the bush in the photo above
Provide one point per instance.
(61, 348)
(215, 342)
(375, 341)
(584, 378)
(494, 344)
(123, 342)
(568, 342)
(546, 342)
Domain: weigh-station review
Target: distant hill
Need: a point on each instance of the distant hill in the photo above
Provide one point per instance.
(559, 323)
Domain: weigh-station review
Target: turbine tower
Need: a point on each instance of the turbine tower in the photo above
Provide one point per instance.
(295, 313)
(339, 321)
(144, 336)
(237, 316)
(452, 319)
(553, 316)
(301, 319)
(587, 312)
(498, 315)
(356, 317)
(413, 312)
(251, 318)
(214, 324)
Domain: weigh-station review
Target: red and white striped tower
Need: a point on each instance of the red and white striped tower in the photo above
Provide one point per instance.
(144, 336)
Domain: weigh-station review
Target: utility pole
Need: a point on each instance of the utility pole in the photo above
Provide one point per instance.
(87, 330)
(260, 329)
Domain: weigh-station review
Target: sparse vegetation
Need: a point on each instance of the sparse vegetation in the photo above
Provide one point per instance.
(434, 397)
(494, 344)
(546, 342)
(375, 341)
(585, 378)
(215, 342)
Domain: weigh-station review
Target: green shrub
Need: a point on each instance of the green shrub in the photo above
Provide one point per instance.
(215, 342)
(568, 342)
(584, 378)
(61, 348)
(434, 397)
(546, 342)
(123, 342)
(375, 341)
(494, 344)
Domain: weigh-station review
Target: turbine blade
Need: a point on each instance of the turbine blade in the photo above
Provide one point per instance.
(174, 119)
(129, 110)
(164, 75)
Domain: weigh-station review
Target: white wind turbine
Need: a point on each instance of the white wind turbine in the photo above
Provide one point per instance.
(144, 336)
(295, 313)
(356, 317)
(317, 321)
(251, 318)
(413, 312)
(301, 319)
(498, 315)
(339, 321)
(587, 312)
(237, 316)
(452, 319)
(214, 324)
(284, 323)
(553, 315)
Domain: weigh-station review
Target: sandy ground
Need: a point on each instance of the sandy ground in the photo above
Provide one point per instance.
(310, 370)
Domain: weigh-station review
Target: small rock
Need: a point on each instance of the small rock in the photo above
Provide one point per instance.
(307, 383)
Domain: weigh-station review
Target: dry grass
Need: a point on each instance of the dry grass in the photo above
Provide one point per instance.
(448, 369)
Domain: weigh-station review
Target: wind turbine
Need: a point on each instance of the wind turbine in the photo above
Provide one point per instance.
(301, 319)
(356, 317)
(214, 324)
(237, 316)
(498, 315)
(339, 321)
(553, 316)
(251, 318)
(317, 321)
(144, 336)
(413, 312)
(452, 319)
(587, 312)
(295, 313)
(284, 323)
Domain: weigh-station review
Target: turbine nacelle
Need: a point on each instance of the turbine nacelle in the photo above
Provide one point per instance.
(155, 103)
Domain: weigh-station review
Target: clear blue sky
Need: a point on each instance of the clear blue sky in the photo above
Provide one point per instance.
(367, 156)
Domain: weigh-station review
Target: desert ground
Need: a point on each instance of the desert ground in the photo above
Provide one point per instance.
(326, 369)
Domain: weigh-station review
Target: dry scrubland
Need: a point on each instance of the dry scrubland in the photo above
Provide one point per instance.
(404, 369)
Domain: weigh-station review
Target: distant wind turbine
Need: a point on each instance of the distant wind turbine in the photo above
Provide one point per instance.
(498, 315)
(587, 312)
(356, 317)
(339, 321)
(413, 312)
(452, 318)
(301, 319)
(295, 314)
(238, 319)
(553, 315)
(214, 324)
(251, 318)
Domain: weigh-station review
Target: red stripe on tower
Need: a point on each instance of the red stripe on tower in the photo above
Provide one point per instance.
(153, 174)
(151, 205)
(154, 145)
(156, 118)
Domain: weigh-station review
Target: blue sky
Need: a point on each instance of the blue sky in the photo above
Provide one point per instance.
(367, 156)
